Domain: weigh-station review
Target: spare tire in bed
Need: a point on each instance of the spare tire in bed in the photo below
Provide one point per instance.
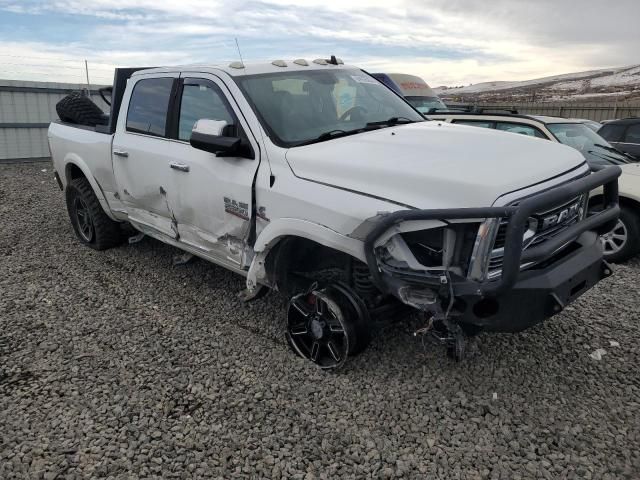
(76, 108)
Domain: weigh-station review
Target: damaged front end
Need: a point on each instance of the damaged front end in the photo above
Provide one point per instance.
(496, 268)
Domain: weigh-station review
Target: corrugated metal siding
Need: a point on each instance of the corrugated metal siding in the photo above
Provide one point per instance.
(23, 143)
(31, 109)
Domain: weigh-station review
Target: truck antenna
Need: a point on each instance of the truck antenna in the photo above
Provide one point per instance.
(86, 69)
(239, 53)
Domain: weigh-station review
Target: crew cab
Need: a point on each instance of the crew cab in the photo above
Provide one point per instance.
(623, 241)
(353, 208)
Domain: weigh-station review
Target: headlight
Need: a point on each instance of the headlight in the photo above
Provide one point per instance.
(431, 250)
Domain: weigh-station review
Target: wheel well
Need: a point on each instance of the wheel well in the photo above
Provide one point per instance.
(72, 171)
(624, 201)
(296, 262)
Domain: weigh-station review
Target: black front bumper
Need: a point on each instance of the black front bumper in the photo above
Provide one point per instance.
(539, 293)
(518, 299)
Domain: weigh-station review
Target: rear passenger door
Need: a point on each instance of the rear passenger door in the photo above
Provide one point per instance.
(142, 155)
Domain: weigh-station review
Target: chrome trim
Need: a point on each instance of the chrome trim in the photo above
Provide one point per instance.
(479, 263)
(521, 194)
(483, 251)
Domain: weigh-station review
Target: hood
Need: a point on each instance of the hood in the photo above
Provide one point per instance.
(433, 164)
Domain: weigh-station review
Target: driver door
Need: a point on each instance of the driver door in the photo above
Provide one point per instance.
(214, 201)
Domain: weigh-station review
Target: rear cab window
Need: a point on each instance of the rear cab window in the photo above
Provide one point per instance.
(149, 105)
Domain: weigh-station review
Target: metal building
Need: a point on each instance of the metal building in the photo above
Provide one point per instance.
(26, 109)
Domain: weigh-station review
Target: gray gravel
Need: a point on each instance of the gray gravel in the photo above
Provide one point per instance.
(118, 364)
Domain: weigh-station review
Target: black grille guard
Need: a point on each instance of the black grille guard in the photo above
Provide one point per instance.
(517, 216)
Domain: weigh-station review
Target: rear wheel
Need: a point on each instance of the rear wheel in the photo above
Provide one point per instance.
(623, 241)
(92, 226)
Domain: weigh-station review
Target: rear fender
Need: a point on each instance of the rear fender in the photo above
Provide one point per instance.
(72, 159)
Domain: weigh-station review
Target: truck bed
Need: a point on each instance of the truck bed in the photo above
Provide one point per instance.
(89, 149)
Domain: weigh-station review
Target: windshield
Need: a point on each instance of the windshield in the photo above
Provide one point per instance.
(297, 107)
(424, 104)
(595, 149)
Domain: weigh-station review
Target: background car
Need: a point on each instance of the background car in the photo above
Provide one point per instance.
(414, 89)
(623, 241)
(592, 124)
(624, 135)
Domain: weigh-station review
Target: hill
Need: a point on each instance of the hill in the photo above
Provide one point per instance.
(610, 83)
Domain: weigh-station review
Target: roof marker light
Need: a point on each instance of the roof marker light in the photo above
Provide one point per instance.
(236, 65)
(279, 63)
(301, 61)
(320, 61)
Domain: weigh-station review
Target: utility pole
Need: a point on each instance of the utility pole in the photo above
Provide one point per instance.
(86, 69)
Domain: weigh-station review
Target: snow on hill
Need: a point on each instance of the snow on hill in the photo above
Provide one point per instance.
(621, 82)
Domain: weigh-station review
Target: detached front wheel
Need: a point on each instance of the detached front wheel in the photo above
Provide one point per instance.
(326, 326)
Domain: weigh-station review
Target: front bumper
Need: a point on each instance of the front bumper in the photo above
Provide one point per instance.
(539, 293)
(517, 299)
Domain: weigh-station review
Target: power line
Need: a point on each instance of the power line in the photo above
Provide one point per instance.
(65, 59)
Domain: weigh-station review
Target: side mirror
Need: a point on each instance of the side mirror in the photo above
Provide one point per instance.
(215, 136)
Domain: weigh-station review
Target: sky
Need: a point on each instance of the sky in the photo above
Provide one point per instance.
(446, 42)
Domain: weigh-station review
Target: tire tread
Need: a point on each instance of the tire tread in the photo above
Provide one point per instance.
(107, 233)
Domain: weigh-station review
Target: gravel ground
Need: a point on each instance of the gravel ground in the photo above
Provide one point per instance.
(117, 364)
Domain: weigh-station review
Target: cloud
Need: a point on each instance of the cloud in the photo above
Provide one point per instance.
(449, 42)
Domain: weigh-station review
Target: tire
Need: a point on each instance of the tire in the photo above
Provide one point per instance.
(623, 242)
(92, 226)
(325, 327)
(76, 108)
(361, 318)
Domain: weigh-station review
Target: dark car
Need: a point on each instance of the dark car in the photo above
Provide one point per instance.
(624, 135)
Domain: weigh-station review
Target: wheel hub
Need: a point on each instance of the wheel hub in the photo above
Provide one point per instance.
(616, 239)
(317, 328)
(83, 219)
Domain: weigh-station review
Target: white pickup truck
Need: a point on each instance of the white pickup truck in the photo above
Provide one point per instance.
(315, 179)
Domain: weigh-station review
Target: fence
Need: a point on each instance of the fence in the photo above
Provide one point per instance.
(26, 109)
(589, 110)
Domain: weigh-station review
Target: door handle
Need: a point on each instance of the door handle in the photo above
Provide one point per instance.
(180, 166)
(121, 153)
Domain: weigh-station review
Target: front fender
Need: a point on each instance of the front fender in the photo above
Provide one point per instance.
(293, 227)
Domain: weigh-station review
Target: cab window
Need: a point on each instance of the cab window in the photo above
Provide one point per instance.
(148, 106)
(201, 99)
